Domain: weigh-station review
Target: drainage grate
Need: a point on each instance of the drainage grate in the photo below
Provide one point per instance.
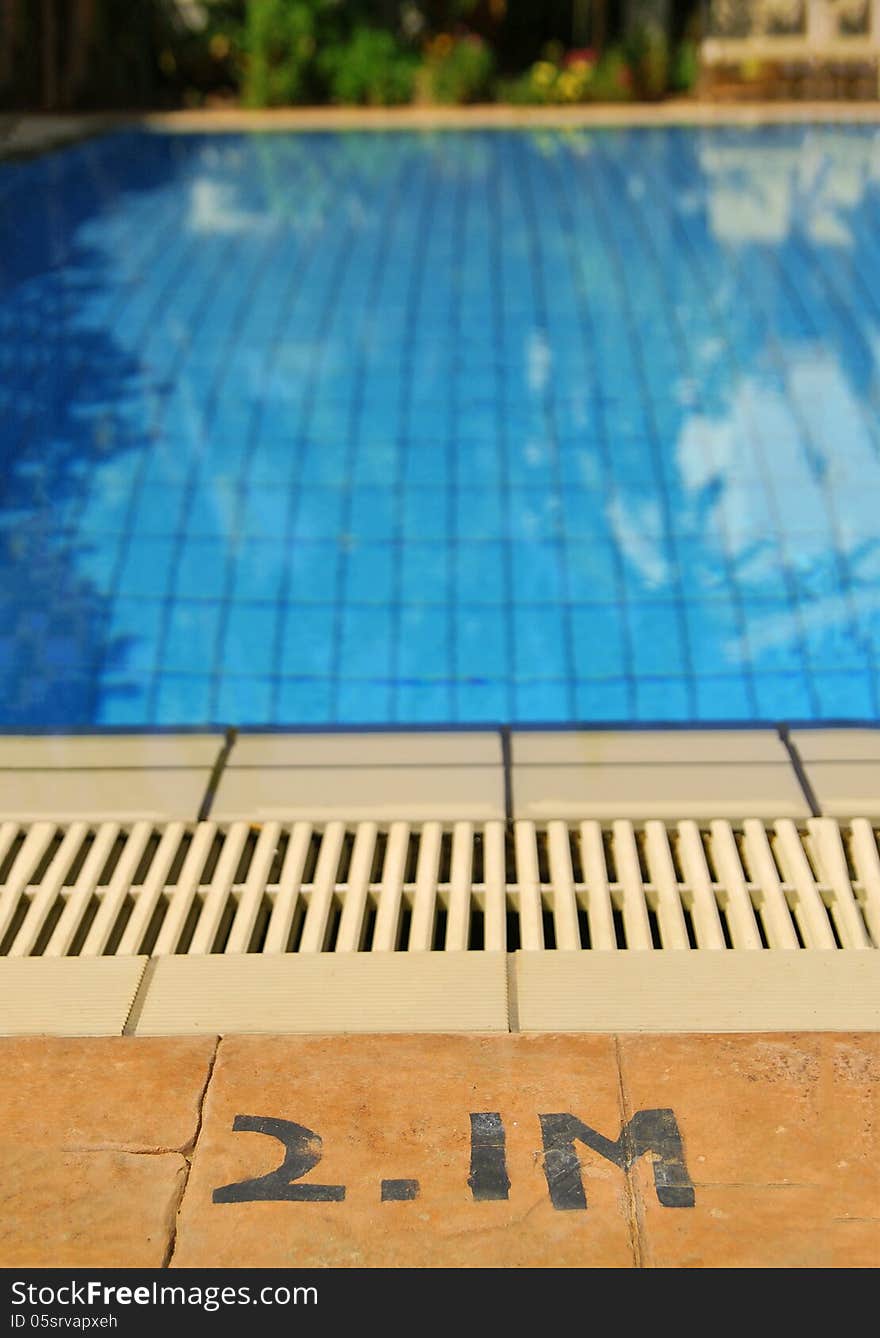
(83, 890)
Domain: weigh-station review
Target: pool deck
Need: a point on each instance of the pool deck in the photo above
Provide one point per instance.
(770, 1136)
(28, 134)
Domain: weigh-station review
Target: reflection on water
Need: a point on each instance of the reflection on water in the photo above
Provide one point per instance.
(437, 427)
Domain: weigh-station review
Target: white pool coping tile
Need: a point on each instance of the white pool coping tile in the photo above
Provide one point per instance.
(360, 793)
(837, 745)
(326, 992)
(67, 996)
(77, 752)
(368, 749)
(646, 747)
(697, 991)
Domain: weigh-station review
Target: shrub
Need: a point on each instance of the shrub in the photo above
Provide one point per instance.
(648, 52)
(613, 80)
(279, 42)
(370, 68)
(685, 68)
(460, 69)
(577, 77)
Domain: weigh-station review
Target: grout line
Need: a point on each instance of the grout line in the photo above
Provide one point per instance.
(140, 996)
(512, 996)
(188, 1155)
(633, 1214)
(800, 771)
(507, 764)
(216, 774)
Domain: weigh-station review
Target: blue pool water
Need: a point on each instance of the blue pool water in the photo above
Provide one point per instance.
(432, 428)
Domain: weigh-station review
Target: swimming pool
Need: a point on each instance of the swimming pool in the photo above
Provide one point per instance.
(449, 427)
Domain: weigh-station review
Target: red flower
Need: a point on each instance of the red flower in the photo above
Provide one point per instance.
(582, 55)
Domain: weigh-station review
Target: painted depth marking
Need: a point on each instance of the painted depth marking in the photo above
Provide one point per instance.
(648, 1131)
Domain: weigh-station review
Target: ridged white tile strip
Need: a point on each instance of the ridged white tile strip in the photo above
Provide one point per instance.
(111, 889)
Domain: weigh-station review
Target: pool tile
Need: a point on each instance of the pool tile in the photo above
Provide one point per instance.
(248, 645)
(601, 700)
(540, 701)
(370, 573)
(147, 568)
(540, 642)
(672, 471)
(846, 696)
(201, 568)
(480, 572)
(663, 699)
(190, 644)
(181, 698)
(244, 700)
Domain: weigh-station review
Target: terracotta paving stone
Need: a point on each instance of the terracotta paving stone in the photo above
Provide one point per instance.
(119, 1091)
(747, 1226)
(781, 1137)
(398, 1108)
(91, 1134)
(87, 1209)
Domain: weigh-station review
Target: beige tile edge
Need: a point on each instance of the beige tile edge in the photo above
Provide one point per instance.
(67, 996)
(698, 991)
(110, 752)
(326, 993)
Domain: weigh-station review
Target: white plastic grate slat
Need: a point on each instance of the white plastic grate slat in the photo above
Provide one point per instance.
(867, 863)
(314, 933)
(831, 859)
(8, 833)
(118, 889)
(89, 890)
(809, 908)
(528, 882)
(26, 862)
(740, 911)
(637, 926)
(251, 899)
(352, 922)
(673, 931)
(600, 912)
(387, 924)
(495, 888)
(181, 899)
(217, 897)
(151, 892)
(704, 907)
(288, 896)
(770, 898)
(83, 890)
(49, 890)
(458, 917)
(421, 930)
(565, 918)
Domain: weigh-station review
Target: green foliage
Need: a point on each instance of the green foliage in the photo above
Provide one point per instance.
(613, 80)
(573, 78)
(370, 68)
(648, 52)
(685, 67)
(280, 43)
(460, 69)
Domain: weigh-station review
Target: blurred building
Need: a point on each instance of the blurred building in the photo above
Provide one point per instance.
(809, 48)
